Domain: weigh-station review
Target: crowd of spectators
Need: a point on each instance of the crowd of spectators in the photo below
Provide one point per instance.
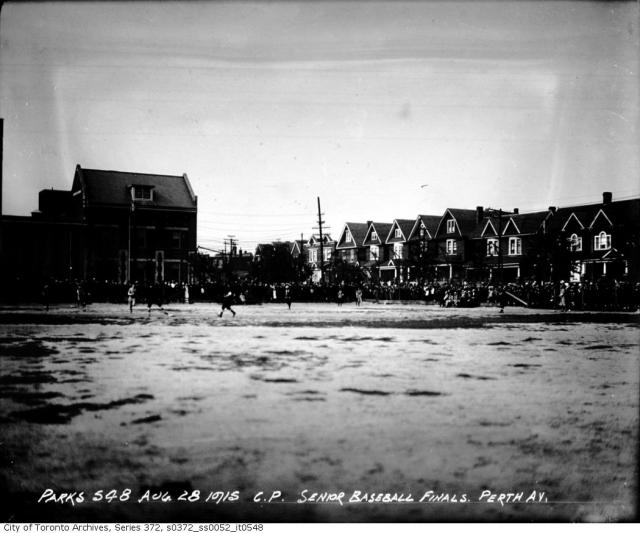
(604, 294)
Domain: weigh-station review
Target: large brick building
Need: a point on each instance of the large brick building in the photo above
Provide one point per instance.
(111, 226)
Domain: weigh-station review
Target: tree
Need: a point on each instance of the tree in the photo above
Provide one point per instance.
(274, 263)
(348, 273)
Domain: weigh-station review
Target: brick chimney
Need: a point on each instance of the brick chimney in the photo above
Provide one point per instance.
(516, 211)
(479, 214)
(606, 198)
(552, 208)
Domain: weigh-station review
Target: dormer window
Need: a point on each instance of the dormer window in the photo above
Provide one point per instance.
(374, 236)
(347, 237)
(398, 233)
(142, 193)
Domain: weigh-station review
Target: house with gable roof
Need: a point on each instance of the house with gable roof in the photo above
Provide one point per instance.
(516, 253)
(350, 245)
(376, 251)
(419, 241)
(319, 257)
(597, 240)
(452, 246)
(297, 249)
(398, 264)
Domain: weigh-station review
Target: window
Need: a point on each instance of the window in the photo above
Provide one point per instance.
(142, 192)
(575, 243)
(327, 254)
(451, 226)
(602, 241)
(141, 238)
(452, 247)
(397, 250)
(493, 247)
(515, 246)
(347, 237)
(176, 239)
(313, 256)
(398, 233)
(374, 236)
(374, 253)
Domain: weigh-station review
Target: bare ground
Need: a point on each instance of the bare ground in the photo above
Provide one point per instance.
(397, 399)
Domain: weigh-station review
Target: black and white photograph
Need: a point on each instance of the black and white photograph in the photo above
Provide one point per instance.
(321, 261)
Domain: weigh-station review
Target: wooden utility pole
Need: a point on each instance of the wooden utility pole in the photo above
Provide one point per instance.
(320, 222)
(500, 246)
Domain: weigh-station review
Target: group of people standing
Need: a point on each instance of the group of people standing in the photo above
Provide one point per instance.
(604, 294)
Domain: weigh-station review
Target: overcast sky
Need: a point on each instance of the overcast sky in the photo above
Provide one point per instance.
(383, 109)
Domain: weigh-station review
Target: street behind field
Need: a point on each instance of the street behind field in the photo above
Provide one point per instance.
(383, 398)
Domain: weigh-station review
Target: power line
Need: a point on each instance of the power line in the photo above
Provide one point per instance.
(253, 214)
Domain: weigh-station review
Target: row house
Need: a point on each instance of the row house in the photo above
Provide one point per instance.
(517, 235)
(451, 250)
(419, 245)
(384, 250)
(319, 254)
(598, 240)
(398, 264)
(575, 243)
(297, 250)
(350, 245)
(377, 250)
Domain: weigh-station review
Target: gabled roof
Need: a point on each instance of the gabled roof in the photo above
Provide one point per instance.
(358, 231)
(488, 229)
(111, 187)
(572, 217)
(430, 223)
(618, 213)
(530, 222)
(465, 221)
(582, 214)
(511, 224)
(297, 245)
(381, 229)
(314, 240)
(405, 226)
(511, 227)
(600, 214)
(395, 262)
